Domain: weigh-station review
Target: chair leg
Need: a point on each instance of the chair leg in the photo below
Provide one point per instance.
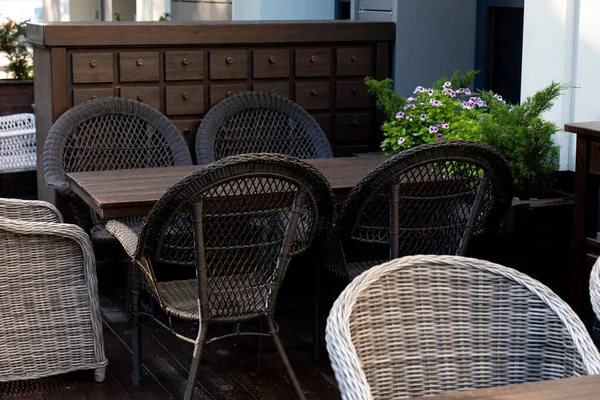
(136, 336)
(284, 359)
(257, 354)
(317, 322)
(100, 374)
(196, 359)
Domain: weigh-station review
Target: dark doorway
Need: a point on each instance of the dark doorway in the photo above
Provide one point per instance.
(500, 47)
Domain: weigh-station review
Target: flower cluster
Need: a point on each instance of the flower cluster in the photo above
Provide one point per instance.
(434, 115)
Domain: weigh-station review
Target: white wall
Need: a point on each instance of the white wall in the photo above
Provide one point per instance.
(125, 8)
(201, 10)
(283, 9)
(433, 39)
(84, 10)
(561, 42)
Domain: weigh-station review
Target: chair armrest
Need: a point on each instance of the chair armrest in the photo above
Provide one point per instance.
(127, 237)
(29, 210)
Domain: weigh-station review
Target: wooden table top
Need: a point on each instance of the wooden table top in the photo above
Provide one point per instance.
(133, 192)
(590, 128)
(580, 388)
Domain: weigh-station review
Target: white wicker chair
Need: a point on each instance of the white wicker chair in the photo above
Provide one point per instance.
(423, 325)
(595, 288)
(17, 143)
(50, 317)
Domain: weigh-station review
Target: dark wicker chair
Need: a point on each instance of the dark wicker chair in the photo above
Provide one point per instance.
(108, 134)
(258, 122)
(232, 226)
(430, 199)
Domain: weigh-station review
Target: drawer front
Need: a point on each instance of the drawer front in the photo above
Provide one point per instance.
(184, 65)
(353, 119)
(358, 133)
(324, 122)
(313, 95)
(139, 67)
(352, 95)
(182, 100)
(147, 95)
(271, 63)
(229, 64)
(92, 67)
(219, 92)
(313, 62)
(356, 61)
(188, 129)
(83, 95)
(280, 89)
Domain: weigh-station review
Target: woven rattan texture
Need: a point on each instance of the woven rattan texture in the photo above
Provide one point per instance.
(258, 122)
(446, 193)
(246, 202)
(108, 134)
(422, 325)
(50, 323)
(17, 143)
(29, 210)
(595, 288)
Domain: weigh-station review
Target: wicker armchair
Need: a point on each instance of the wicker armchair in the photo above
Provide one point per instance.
(108, 134)
(423, 325)
(17, 143)
(50, 323)
(258, 122)
(595, 288)
(430, 199)
(247, 214)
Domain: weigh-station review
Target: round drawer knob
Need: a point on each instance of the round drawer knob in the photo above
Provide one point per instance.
(186, 131)
(313, 59)
(186, 96)
(140, 97)
(229, 94)
(94, 97)
(272, 91)
(353, 59)
(229, 60)
(272, 60)
(354, 91)
(93, 63)
(313, 92)
(140, 61)
(185, 61)
(354, 121)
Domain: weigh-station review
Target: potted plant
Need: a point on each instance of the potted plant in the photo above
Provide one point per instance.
(16, 93)
(537, 229)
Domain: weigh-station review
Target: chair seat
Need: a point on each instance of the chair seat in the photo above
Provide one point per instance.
(180, 297)
(99, 233)
(355, 269)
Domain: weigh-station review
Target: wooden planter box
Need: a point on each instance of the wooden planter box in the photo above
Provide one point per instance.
(16, 96)
(535, 238)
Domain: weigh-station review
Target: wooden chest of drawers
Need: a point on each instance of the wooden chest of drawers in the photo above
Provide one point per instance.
(183, 69)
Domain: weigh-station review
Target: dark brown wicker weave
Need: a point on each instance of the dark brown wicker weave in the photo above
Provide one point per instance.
(108, 134)
(430, 199)
(258, 122)
(232, 227)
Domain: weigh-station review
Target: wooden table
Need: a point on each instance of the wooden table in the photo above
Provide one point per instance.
(133, 192)
(586, 241)
(581, 388)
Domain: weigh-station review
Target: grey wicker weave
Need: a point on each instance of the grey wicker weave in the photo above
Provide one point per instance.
(258, 122)
(29, 210)
(232, 226)
(430, 199)
(423, 325)
(50, 320)
(108, 134)
(595, 288)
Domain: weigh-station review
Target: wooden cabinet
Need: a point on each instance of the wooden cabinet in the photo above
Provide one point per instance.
(183, 69)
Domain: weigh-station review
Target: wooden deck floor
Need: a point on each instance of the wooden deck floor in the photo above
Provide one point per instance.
(227, 371)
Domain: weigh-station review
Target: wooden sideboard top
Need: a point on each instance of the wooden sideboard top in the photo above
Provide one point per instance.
(89, 34)
(591, 128)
